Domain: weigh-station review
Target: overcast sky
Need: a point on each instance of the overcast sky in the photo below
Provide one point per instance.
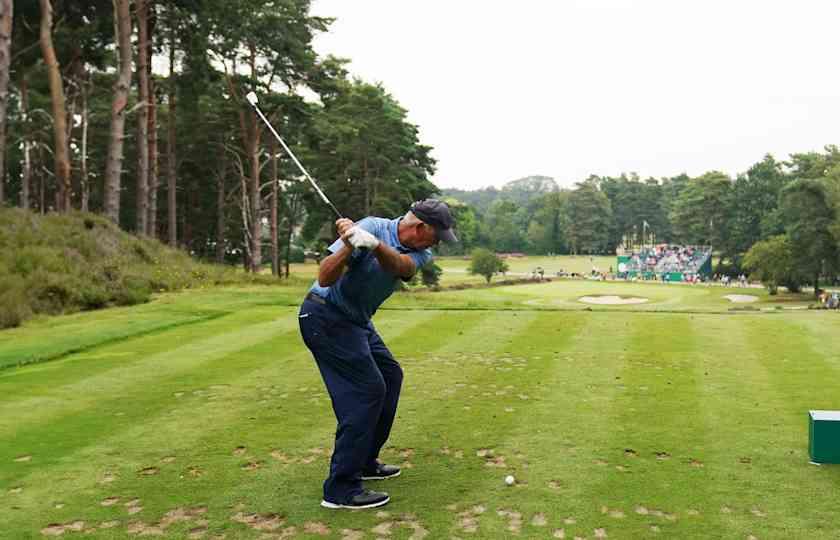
(568, 88)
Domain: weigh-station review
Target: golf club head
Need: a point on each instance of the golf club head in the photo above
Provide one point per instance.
(252, 98)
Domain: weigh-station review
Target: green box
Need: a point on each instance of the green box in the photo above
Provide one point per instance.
(824, 436)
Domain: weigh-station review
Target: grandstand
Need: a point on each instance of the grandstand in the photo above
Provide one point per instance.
(666, 262)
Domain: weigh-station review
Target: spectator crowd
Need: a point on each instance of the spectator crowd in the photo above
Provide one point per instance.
(665, 258)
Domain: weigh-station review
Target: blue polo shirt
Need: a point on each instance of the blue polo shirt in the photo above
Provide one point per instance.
(365, 285)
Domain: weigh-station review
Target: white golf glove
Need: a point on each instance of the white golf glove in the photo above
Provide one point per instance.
(360, 238)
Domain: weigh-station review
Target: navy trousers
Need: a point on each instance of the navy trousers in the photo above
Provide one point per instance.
(363, 381)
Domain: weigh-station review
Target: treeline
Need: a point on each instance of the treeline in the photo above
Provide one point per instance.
(788, 210)
(136, 110)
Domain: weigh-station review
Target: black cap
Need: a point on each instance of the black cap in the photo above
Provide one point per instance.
(436, 213)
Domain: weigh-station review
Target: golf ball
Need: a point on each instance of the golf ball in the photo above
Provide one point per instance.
(509, 479)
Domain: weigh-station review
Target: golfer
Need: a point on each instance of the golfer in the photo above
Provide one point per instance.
(360, 373)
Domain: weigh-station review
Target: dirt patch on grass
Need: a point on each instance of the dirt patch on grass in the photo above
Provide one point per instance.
(197, 532)
(181, 514)
(57, 529)
(467, 521)
(612, 300)
(315, 527)
(142, 529)
(108, 478)
(259, 522)
(133, 506)
(514, 520)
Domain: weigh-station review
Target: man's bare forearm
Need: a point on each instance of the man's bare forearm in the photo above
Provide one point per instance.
(332, 267)
(393, 262)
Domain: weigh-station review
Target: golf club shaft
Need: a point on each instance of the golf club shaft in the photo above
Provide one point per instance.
(289, 151)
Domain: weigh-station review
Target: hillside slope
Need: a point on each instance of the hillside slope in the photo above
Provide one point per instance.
(62, 263)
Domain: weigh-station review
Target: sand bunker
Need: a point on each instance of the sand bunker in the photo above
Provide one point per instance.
(612, 300)
(741, 298)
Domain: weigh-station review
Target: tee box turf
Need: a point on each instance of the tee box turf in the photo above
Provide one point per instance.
(824, 436)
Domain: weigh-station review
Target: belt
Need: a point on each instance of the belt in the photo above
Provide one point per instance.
(317, 299)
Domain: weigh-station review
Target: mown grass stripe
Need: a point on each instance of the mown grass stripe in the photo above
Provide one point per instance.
(206, 432)
(490, 366)
(23, 354)
(659, 381)
(156, 424)
(799, 378)
(158, 358)
(83, 403)
(566, 431)
(542, 428)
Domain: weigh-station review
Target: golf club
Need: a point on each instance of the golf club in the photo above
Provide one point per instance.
(252, 99)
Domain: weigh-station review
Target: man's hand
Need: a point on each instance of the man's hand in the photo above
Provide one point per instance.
(360, 238)
(344, 227)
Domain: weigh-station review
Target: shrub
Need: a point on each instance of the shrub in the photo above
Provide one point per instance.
(14, 303)
(68, 262)
(486, 263)
(430, 274)
(772, 261)
(296, 255)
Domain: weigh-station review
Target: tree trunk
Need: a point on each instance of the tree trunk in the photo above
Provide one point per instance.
(71, 101)
(256, 221)
(6, 12)
(220, 214)
(62, 149)
(113, 168)
(26, 176)
(275, 259)
(247, 260)
(142, 214)
(77, 94)
(42, 183)
(254, 157)
(83, 173)
(153, 136)
(171, 163)
(291, 219)
(153, 162)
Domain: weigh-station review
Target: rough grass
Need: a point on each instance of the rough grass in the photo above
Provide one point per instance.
(61, 263)
(202, 412)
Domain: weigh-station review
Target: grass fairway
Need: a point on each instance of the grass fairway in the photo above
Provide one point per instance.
(455, 268)
(203, 414)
